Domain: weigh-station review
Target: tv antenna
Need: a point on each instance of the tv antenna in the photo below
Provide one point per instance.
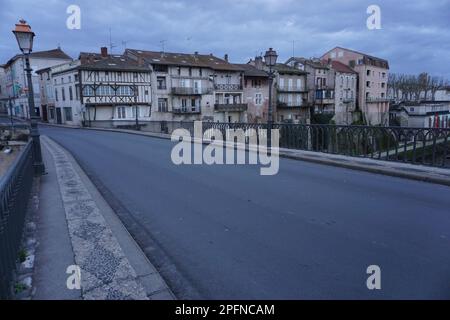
(111, 44)
(163, 45)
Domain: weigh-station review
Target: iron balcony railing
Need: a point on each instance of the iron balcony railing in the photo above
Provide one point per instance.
(187, 110)
(292, 104)
(15, 189)
(230, 106)
(377, 99)
(227, 87)
(190, 91)
(291, 88)
(348, 100)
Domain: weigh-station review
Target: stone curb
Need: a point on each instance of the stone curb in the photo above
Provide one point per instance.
(400, 170)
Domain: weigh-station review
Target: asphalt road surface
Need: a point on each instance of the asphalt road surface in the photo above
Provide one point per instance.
(310, 232)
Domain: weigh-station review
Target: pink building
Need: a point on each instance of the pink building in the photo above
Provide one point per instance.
(373, 72)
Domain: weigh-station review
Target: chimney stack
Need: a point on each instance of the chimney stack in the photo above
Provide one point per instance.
(259, 62)
(226, 57)
(104, 51)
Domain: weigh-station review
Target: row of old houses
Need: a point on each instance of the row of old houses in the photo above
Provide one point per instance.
(344, 85)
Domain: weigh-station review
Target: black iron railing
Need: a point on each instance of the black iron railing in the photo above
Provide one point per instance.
(426, 146)
(15, 188)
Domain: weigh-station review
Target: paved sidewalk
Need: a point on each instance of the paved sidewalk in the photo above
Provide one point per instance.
(77, 227)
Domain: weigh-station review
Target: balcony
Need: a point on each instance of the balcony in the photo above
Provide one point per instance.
(239, 107)
(292, 104)
(187, 110)
(188, 91)
(377, 99)
(228, 87)
(348, 100)
(291, 89)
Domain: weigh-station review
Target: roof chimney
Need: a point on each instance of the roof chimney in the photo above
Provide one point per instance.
(259, 62)
(104, 51)
(226, 57)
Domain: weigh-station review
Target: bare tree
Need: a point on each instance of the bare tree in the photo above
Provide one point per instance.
(436, 83)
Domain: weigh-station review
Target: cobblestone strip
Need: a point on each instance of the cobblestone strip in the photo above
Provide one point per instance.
(106, 273)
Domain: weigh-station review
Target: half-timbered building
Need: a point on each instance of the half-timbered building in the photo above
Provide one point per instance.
(102, 87)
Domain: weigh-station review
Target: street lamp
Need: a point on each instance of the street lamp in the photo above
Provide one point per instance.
(270, 59)
(25, 37)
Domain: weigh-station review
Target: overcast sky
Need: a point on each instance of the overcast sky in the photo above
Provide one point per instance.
(415, 34)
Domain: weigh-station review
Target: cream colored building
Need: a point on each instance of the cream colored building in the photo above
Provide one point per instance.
(194, 86)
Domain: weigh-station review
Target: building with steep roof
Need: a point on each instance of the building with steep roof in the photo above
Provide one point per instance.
(194, 86)
(16, 81)
(108, 89)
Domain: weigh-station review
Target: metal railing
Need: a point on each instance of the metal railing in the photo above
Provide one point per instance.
(15, 188)
(227, 87)
(230, 106)
(425, 146)
(287, 88)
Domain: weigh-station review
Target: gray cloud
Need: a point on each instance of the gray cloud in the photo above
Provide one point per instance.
(414, 37)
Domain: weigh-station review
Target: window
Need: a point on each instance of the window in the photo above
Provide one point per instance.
(123, 91)
(160, 68)
(70, 79)
(88, 91)
(77, 92)
(76, 78)
(56, 94)
(200, 72)
(63, 94)
(62, 80)
(190, 72)
(52, 113)
(161, 83)
(121, 113)
(162, 105)
(258, 99)
(368, 72)
(70, 93)
(368, 84)
(68, 114)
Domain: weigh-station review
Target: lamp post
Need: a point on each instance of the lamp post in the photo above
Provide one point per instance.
(25, 37)
(10, 112)
(270, 59)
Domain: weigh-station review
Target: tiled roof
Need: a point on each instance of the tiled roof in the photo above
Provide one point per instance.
(340, 67)
(316, 64)
(185, 59)
(95, 61)
(252, 71)
(284, 68)
(377, 61)
(49, 54)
